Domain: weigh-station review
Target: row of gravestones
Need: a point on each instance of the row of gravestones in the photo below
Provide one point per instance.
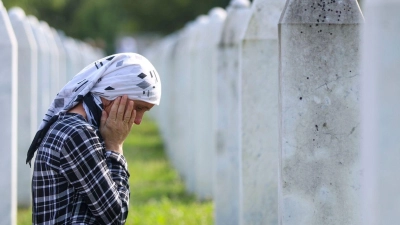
(284, 112)
(35, 62)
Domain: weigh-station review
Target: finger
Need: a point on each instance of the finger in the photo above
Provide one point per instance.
(133, 116)
(121, 108)
(128, 111)
(114, 109)
(103, 118)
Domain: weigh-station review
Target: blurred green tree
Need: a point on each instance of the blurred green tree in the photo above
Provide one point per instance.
(106, 20)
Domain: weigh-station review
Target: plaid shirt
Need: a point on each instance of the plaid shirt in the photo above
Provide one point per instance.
(75, 180)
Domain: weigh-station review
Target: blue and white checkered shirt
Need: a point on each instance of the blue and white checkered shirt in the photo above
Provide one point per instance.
(75, 180)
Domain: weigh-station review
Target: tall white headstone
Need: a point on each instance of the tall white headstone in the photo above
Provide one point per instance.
(81, 62)
(54, 61)
(9, 112)
(260, 114)
(186, 51)
(27, 100)
(380, 110)
(227, 198)
(200, 86)
(320, 170)
(166, 68)
(205, 72)
(210, 58)
(73, 66)
(43, 78)
(182, 81)
(62, 60)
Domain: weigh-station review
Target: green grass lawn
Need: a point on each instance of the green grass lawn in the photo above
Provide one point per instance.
(157, 193)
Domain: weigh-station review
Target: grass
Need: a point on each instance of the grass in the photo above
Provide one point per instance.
(158, 195)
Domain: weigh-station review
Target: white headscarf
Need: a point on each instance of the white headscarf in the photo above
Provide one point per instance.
(110, 77)
(116, 75)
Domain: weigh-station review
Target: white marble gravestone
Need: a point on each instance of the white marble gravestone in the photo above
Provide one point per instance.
(73, 65)
(200, 85)
(27, 99)
(81, 62)
(260, 114)
(227, 198)
(166, 67)
(320, 165)
(205, 72)
(54, 61)
(168, 119)
(178, 150)
(43, 78)
(182, 66)
(210, 59)
(62, 59)
(9, 113)
(381, 112)
(185, 53)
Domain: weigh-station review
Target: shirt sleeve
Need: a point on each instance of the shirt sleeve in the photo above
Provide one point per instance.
(101, 179)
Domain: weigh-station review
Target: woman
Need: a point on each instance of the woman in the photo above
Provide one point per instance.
(80, 174)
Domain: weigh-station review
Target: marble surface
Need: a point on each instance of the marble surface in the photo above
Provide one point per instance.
(183, 154)
(380, 112)
(200, 85)
(27, 100)
(205, 89)
(62, 59)
(320, 166)
(260, 114)
(54, 60)
(43, 79)
(9, 112)
(227, 192)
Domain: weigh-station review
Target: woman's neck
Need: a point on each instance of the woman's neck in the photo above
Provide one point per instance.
(78, 109)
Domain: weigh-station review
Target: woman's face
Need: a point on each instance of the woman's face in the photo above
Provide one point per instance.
(140, 106)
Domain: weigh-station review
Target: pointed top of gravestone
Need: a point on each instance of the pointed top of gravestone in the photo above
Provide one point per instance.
(264, 20)
(235, 25)
(61, 33)
(321, 12)
(54, 31)
(262, 3)
(44, 25)
(202, 19)
(16, 13)
(217, 13)
(33, 20)
(239, 3)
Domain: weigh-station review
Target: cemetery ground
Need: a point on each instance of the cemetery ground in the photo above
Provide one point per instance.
(158, 195)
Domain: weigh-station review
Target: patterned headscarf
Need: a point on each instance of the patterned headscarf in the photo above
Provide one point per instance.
(110, 77)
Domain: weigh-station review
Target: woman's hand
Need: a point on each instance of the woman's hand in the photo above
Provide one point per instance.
(116, 126)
